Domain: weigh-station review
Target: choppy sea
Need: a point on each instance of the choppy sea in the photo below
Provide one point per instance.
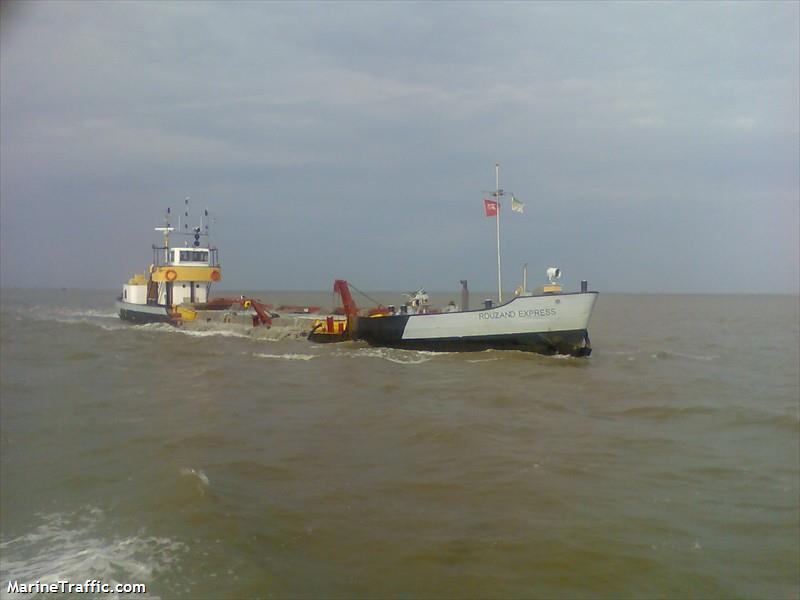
(244, 463)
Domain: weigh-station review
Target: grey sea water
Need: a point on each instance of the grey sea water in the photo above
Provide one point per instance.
(252, 464)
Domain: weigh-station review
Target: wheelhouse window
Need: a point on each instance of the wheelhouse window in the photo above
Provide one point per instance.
(194, 256)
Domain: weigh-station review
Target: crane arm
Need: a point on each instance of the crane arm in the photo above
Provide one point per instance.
(341, 287)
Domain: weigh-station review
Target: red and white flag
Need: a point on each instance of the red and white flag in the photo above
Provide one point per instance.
(490, 206)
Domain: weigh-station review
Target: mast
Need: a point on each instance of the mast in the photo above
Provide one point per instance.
(525, 278)
(165, 230)
(498, 193)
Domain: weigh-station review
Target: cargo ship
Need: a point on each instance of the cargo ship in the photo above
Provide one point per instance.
(547, 321)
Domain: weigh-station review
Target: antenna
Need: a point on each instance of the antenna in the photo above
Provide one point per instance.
(165, 230)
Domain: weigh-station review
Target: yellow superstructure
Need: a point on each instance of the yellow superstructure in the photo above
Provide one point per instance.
(186, 273)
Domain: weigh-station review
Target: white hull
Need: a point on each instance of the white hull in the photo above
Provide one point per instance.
(142, 313)
(550, 324)
(525, 314)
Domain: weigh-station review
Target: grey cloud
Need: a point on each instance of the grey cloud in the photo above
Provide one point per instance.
(657, 135)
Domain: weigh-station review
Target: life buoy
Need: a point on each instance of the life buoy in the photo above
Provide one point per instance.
(171, 275)
(215, 275)
(247, 304)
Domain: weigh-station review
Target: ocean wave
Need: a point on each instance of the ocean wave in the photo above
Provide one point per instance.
(96, 324)
(261, 334)
(72, 547)
(671, 354)
(108, 321)
(665, 412)
(659, 354)
(402, 357)
(561, 357)
(749, 417)
(97, 314)
(200, 333)
(56, 313)
(287, 356)
(199, 474)
(413, 357)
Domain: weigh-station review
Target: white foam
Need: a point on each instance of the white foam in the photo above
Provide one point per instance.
(403, 357)
(72, 547)
(201, 333)
(673, 354)
(521, 353)
(211, 333)
(103, 326)
(261, 334)
(74, 313)
(70, 316)
(98, 314)
(288, 356)
(199, 474)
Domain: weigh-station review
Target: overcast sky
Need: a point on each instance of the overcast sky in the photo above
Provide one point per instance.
(656, 146)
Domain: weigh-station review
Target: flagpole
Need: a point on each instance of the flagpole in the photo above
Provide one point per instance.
(497, 215)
